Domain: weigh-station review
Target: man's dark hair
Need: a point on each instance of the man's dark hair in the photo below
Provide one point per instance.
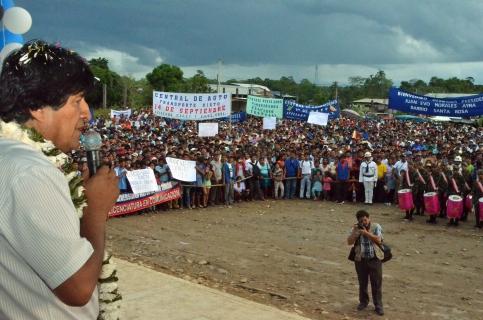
(361, 214)
(41, 75)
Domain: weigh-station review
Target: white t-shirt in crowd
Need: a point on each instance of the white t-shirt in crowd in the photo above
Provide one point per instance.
(306, 166)
(239, 187)
(399, 166)
(217, 166)
(40, 242)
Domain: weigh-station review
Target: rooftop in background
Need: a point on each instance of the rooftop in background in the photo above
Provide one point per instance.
(375, 104)
(278, 94)
(371, 100)
(242, 89)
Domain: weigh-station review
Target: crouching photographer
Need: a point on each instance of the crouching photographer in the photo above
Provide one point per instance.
(366, 240)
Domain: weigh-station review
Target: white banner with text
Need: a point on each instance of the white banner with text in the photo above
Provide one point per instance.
(191, 106)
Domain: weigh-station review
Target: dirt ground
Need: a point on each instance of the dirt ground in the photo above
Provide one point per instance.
(293, 255)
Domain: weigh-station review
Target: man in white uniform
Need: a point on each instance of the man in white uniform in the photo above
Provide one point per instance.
(368, 176)
(50, 260)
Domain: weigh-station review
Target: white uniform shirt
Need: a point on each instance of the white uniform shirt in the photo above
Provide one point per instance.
(40, 245)
(368, 171)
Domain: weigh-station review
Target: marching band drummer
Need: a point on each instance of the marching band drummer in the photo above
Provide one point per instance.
(443, 174)
(405, 183)
(456, 185)
(477, 193)
(466, 189)
(419, 186)
(431, 186)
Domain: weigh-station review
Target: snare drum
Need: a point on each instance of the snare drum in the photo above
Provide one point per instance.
(454, 207)
(405, 197)
(431, 203)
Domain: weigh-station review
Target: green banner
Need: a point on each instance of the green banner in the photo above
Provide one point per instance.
(265, 107)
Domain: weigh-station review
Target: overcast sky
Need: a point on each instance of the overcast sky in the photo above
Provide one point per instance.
(272, 38)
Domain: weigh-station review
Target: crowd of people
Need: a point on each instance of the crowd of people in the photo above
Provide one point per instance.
(349, 160)
(53, 223)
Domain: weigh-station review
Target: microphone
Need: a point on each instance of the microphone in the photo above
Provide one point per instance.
(92, 144)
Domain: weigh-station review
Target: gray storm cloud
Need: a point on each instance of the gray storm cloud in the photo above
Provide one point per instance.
(192, 34)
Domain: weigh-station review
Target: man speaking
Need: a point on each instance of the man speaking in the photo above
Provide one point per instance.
(50, 260)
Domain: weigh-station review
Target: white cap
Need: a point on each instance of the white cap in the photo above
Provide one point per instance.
(458, 159)
(367, 154)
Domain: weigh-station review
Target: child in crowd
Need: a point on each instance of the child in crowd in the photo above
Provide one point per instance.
(317, 185)
(327, 186)
(353, 188)
(241, 192)
(390, 187)
(278, 177)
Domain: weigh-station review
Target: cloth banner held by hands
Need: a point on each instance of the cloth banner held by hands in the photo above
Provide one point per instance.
(191, 106)
(296, 111)
(265, 107)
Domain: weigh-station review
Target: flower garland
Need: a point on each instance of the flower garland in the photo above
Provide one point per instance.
(109, 297)
(30, 137)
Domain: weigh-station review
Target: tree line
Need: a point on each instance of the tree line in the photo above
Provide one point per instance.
(127, 91)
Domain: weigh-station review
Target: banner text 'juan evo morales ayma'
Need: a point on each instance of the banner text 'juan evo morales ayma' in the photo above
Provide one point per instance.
(468, 106)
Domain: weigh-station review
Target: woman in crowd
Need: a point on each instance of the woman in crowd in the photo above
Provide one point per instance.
(207, 184)
(390, 182)
(266, 181)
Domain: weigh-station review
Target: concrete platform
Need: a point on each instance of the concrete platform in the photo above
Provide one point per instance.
(149, 294)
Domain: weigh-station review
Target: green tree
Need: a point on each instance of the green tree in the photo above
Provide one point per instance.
(306, 91)
(113, 81)
(440, 85)
(102, 63)
(436, 84)
(415, 85)
(377, 85)
(198, 83)
(166, 77)
(322, 95)
(357, 81)
(142, 94)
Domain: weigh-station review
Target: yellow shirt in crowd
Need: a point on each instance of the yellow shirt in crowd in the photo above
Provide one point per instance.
(381, 171)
